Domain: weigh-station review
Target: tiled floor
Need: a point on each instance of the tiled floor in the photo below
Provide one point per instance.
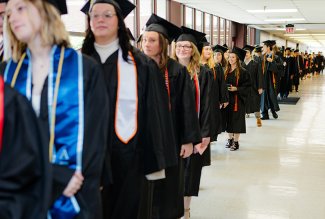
(279, 170)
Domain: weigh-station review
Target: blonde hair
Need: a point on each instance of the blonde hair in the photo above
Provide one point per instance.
(52, 29)
(194, 66)
(237, 70)
(210, 61)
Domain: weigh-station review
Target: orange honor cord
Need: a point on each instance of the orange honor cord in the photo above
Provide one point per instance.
(236, 97)
(214, 74)
(197, 93)
(168, 87)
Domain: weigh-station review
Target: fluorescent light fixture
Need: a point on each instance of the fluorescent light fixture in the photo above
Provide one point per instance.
(303, 34)
(306, 36)
(295, 29)
(284, 19)
(273, 11)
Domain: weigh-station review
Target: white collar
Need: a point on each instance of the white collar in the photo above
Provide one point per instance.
(105, 51)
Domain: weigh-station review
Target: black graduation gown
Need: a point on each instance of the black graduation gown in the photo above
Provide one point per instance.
(299, 64)
(152, 148)
(217, 96)
(271, 71)
(169, 192)
(235, 120)
(95, 136)
(318, 63)
(253, 103)
(285, 83)
(24, 165)
(194, 163)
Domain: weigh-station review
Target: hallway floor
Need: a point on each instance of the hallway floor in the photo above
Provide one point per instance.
(278, 171)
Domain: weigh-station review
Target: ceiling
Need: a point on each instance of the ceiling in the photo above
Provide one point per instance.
(309, 14)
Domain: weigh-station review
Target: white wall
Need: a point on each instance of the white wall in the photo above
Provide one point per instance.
(279, 41)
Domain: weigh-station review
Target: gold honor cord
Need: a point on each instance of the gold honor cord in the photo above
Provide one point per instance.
(55, 98)
(14, 78)
(56, 91)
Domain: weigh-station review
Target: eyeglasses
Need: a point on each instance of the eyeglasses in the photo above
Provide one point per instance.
(185, 47)
(105, 16)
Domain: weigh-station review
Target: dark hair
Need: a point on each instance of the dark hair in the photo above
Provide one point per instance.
(124, 39)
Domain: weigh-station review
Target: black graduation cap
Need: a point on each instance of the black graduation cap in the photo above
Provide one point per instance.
(204, 42)
(249, 47)
(225, 45)
(258, 49)
(190, 35)
(288, 48)
(239, 52)
(297, 50)
(130, 34)
(160, 25)
(4, 1)
(218, 48)
(269, 43)
(61, 5)
(124, 5)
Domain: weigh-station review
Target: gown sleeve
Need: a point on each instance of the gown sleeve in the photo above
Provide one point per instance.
(244, 85)
(205, 88)
(224, 95)
(24, 162)
(190, 123)
(160, 147)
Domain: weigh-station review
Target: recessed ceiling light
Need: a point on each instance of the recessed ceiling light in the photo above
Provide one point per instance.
(273, 11)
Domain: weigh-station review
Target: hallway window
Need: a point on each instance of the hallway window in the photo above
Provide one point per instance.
(145, 12)
(222, 31)
(188, 17)
(228, 33)
(198, 21)
(207, 30)
(215, 30)
(75, 22)
(161, 8)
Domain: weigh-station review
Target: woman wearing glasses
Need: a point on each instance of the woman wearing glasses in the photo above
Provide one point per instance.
(140, 129)
(169, 192)
(68, 95)
(186, 53)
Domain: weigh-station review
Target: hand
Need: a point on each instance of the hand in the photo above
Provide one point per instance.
(284, 63)
(232, 88)
(269, 59)
(205, 142)
(186, 150)
(197, 146)
(74, 184)
(291, 77)
(225, 104)
(260, 91)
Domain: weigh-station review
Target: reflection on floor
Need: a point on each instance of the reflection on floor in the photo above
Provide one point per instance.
(279, 170)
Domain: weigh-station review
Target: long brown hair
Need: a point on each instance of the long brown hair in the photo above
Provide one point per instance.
(237, 70)
(194, 66)
(52, 29)
(163, 44)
